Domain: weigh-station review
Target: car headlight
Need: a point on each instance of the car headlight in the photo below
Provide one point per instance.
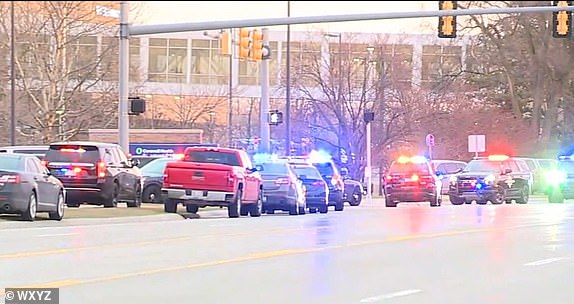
(489, 179)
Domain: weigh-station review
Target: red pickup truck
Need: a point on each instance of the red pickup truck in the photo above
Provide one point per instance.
(211, 176)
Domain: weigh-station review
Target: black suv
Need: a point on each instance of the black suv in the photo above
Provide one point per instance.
(560, 180)
(96, 173)
(497, 178)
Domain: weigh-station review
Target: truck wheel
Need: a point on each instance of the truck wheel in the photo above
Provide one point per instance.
(455, 200)
(191, 208)
(170, 206)
(324, 209)
(233, 208)
(294, 208)
(256, 209)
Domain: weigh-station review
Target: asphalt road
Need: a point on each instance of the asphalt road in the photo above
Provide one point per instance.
(367, 254)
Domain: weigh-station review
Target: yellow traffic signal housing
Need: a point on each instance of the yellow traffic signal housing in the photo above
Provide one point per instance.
(257, 45)
(447, 24)
(225, 44)
(244, 43)
(562, 21)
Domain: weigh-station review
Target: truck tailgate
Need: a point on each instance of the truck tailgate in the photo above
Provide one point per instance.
(198, 176)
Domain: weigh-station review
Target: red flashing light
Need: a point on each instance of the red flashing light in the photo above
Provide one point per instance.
(9, 179)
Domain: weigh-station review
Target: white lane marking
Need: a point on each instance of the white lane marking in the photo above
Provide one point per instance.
(402, 293)
(544, 262)
(56, 234)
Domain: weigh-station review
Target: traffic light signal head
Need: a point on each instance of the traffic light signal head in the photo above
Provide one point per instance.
(447, 24)
(257, 45)
(244, 43)
(225, 43)
(562, 21)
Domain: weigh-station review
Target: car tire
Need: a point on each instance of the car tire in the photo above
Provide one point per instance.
(152, 194)
(324, 209)
(356, 197)
(234, 208)
(435, 202)
(191, 208)
(112, 201)
(58, 214)
(555, 196)
(390, 203)
(170, 206)
(137, 202)
(455, 200)
(30, 214)
(257, 208)
(524, 195)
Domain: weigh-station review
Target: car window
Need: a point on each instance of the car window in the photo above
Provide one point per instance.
(530, 163)
(307, 171)
(408, 168)
(122, 157)
(567, 166)
(73, 154)
(326, 169)
(110, 157)
(30, 151)
(31, 166)
(10, 162)
(523, 166)
(274, 168)
(546, 163)
(155, 167)
(215, 157)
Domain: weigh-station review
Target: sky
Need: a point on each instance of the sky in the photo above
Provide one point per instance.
(163, 12)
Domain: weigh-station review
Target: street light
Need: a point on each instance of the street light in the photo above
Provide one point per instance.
(340, 108)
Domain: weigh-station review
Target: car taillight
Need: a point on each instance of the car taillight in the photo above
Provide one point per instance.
(426, 179)
(282, 181)
(101, 169)
(414, 178)
(230, 179)
(9, 179)
(318, 183)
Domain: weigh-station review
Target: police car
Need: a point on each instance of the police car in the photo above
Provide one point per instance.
(560, 180)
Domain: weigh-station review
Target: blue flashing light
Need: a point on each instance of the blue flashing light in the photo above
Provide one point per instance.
(264, 157)
(566, 157)
(318, 157)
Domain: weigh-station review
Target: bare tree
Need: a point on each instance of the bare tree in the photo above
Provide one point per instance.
(61, 68)
(522, 67)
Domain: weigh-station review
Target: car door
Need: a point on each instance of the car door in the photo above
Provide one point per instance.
(252, 179)
(46, 195)
(127, 179)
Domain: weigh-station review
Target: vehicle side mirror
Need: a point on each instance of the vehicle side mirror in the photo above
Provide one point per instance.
(507, 171)
(257, 168)
(439, 173)
(135, 162)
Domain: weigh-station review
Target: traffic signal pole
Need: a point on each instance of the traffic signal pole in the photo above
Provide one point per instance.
(265, 146)
(126, 31)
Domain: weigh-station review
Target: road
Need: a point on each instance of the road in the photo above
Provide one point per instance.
(367, 254)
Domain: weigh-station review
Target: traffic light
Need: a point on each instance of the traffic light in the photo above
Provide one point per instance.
(562, 21)
(225, 44)
(447, 24)
(244, 43)
(137, 105)
(275, 117)
(256, 45)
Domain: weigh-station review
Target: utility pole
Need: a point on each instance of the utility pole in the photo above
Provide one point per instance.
(288, 87)
(265, 146)
(12, 76)
(123, 118)
(230, 103)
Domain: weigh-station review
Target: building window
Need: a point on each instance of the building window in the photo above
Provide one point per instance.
(305, 60)
(248, 72)
(439, 62)
(397, 64)
(167, 60)
(30, 51)
(208, 66)
(82, 57)
(109, 66)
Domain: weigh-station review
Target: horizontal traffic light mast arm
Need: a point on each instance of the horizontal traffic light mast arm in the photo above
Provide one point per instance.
(136, 30)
